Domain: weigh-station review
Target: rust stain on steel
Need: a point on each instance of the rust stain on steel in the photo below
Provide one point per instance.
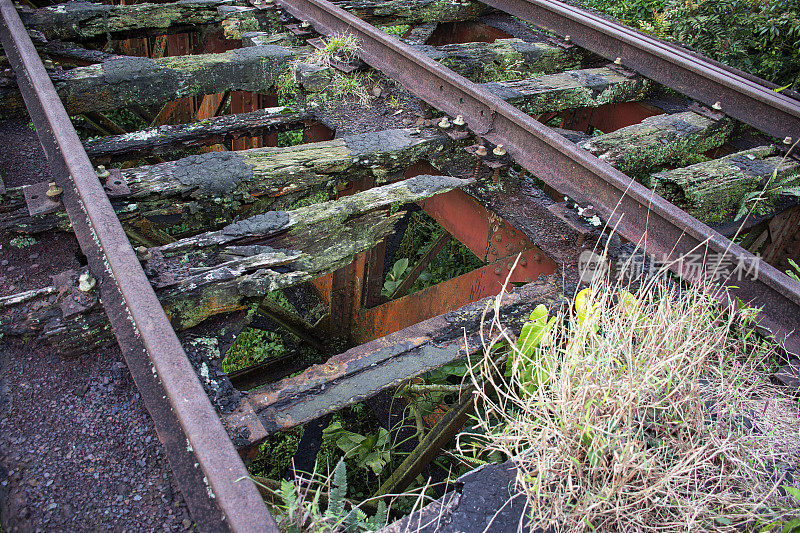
(199, 450)
(638, 214)
(451, 294)
(608, 117)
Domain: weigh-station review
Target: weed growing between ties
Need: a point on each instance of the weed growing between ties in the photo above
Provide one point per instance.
(646, 412)
(338, 48)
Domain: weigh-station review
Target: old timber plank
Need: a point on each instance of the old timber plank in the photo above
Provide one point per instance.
(76, 21)
(504, 59)
(568, 90)
(124, 81)
(170, 139)
(659, 140)
(201, 192)
(713, 191)
(365, 370)
(226, 270)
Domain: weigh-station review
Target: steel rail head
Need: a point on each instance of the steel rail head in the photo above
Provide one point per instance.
(212, 477)
(740, 96)
(639, 215)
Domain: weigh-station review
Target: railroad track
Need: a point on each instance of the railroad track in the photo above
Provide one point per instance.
(239, 242)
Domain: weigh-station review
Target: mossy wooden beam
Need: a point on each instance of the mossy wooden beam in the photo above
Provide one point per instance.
(504, 59)
(124, 81)
(77, 21)
(172, 139)
(225, 270)
(713, 191)
(85, 21)
(659, 140)
(201, 192)
(568, 90)
(396, 12)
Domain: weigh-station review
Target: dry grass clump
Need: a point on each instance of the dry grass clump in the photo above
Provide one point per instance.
(645, 414)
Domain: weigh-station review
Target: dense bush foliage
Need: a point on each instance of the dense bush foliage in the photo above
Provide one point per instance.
(760, 37)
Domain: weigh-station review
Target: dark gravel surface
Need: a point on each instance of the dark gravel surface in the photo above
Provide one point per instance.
(78, 451)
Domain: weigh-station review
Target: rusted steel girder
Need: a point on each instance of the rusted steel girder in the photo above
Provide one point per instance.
(637, 213)
(492, 239)
(212, 478)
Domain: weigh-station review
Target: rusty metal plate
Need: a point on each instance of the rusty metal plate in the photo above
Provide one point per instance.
(116, 185)
(37, 200)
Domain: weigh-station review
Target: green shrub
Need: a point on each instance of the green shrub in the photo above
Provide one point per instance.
(760, 37)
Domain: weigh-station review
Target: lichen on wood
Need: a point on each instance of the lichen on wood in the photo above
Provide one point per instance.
(203, 191)
(568, 90)
(713, 191)
(81, 21)
(503, 59)
(77, 21)
(123, 81)
(659, 140)
(173, 138)
(229, 269)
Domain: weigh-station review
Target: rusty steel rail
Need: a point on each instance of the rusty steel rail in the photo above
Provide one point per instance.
(212, 477)
(740, 95)
(638, 214)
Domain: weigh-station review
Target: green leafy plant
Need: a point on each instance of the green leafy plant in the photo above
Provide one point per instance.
(298, 506)
(369, 451)
(761, 37)
(524, 360)
(395, 276)
(796, 274)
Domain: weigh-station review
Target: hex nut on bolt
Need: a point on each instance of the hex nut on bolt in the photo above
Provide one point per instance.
(481, 151)
(444, 123)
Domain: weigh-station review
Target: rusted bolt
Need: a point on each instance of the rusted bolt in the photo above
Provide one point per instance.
(305, 24)
(499, 151)
(53, 190)
(567, 38)
(444, 123)
(618, 61)
(523, 261)
(717, 106)
(497, 270)
(787, 140)
(102, 172)
(481, 151)
(459, 121)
